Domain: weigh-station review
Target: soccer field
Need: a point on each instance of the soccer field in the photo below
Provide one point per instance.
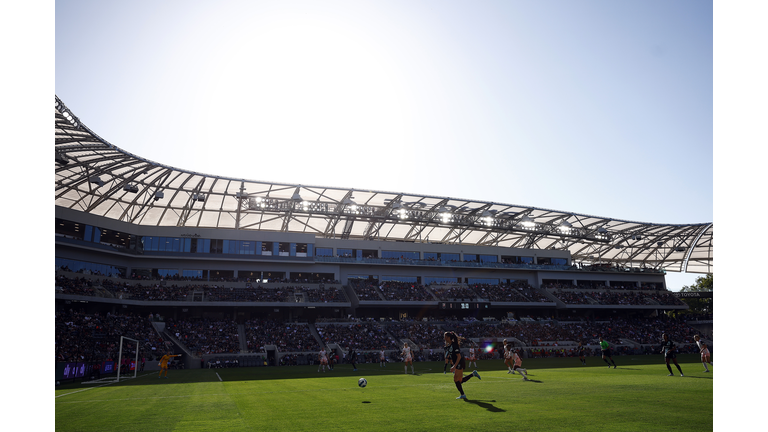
(561, 396)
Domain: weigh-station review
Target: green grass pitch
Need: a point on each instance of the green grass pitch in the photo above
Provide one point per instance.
(561, 396)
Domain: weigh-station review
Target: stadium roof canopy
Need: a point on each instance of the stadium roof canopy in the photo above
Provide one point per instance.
(96, 177)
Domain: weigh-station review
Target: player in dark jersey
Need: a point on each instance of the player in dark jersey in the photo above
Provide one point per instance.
(352, 358)
(453, 342)
(668, 348)
(582, 351)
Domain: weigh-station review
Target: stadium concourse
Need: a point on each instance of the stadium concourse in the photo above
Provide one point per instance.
(250, 273)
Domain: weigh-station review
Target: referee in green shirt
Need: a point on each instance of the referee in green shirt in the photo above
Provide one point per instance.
(605, 348)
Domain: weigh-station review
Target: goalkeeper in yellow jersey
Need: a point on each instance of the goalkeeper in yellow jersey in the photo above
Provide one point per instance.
(164, 364)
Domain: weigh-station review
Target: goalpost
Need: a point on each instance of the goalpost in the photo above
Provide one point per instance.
(135, 360)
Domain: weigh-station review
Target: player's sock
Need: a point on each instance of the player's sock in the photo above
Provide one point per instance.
(412, 371)
(670, 369)
(706, 369)
(678, 368)
(466, 378)
(406, 369)
(458, 386)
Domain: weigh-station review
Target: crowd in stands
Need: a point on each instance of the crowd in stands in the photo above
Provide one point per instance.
(206, 336)
(365, 289)
(424, 334)
(287, 337)
(360, 336)
(618, 298)
(95, 337)
(85, 337)
(405, 291)
(453, 291)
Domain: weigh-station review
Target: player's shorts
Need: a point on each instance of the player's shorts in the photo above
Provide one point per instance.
(407, 359)
(461, 365)
(324, 361)
(607, 353)
(670, 356)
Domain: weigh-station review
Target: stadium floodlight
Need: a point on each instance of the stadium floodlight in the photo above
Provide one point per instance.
(527, 222)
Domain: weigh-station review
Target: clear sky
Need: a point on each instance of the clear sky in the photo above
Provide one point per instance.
(596, 107)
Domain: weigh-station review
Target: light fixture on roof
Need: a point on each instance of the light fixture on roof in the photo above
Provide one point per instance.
(527, 222)
(96, 180)
(487, 217)
(131, 188)
(296, 196)
(198, 197)
(565, 227)
(159, 195)
(61, 158)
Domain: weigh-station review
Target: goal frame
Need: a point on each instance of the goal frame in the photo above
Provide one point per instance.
(120, 358)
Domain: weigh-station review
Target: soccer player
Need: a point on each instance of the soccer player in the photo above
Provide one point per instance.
(382, 359)
(408, 357)
(472, 357)
(705, 355)
(352, 358)
(582, 353)
(164, 363)
(508, 356)
(669, 348)
(518, 363)
(323, 357)
(453, 341)
(606, 351)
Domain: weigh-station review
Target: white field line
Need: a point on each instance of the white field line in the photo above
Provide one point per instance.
(103, 385)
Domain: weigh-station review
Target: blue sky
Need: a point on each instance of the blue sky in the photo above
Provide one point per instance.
(595, 107)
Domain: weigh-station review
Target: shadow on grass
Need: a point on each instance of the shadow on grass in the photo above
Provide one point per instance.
(483, 404)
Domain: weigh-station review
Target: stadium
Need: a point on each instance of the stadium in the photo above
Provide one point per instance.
(381, 216)
(238, 274)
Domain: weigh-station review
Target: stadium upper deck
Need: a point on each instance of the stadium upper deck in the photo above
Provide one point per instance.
(98, 178)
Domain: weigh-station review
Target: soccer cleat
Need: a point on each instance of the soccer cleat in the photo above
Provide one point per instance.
(682, 375)
(477, 375)
(462, 397)
(706, 371)
(525, 378)
(671, 375)
(614, 366)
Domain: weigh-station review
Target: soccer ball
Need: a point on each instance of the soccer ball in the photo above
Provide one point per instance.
(362, 382)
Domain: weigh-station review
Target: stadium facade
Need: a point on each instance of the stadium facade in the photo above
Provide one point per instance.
(330, 251)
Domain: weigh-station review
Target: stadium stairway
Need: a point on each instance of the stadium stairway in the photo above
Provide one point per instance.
(315, 334)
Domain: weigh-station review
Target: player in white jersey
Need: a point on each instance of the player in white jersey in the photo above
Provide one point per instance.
(472, 357)
(408, 357)
(518, 365)
(705, 354)
(508, 356)
(382, 359)
(323, 356)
